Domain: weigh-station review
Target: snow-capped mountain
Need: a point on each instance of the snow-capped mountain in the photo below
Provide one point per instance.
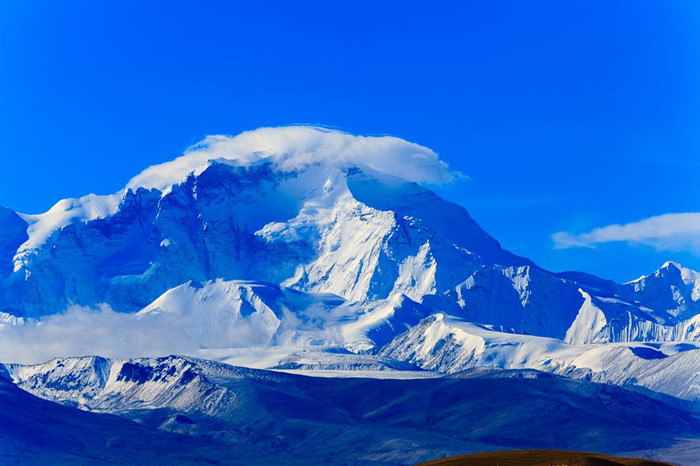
(307, 248)
(317, 252)
(255, 209)
(344, 230)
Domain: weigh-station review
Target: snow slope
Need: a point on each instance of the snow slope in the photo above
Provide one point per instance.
(450, 345)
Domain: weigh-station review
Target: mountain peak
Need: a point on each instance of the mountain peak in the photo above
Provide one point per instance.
(688, 276)
(669, 264)
(672, 289)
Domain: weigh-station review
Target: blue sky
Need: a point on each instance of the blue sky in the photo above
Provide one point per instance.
(566, 116)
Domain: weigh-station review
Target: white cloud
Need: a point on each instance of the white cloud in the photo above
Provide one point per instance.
(83, 331)
(291, 147)
(678, 232)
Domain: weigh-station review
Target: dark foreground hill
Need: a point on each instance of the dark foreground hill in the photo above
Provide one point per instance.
(542, 458)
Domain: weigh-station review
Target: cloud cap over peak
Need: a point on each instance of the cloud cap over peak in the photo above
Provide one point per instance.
(291, 147)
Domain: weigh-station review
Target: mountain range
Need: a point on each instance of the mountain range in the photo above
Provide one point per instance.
(317, 252)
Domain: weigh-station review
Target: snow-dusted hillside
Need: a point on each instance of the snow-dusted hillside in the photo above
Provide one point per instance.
(39, 432)
(356, 421)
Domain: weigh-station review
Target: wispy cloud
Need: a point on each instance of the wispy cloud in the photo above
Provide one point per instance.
(84, 331)
(678, 232)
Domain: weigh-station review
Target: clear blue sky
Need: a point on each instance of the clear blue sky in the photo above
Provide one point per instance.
(567, 116)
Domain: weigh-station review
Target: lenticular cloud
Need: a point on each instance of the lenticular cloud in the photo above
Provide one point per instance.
(292, 147)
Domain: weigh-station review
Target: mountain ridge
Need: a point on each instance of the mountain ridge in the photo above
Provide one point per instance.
(238, 225)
